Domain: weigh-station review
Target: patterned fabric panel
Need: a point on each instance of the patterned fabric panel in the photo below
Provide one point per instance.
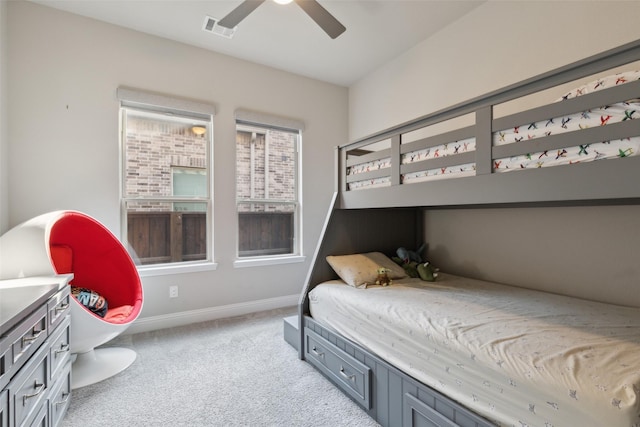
(515, 356)
(602, 116)
(370, 183)
(369, 166)
(580, 154)
(603, 83)
(443, 150)
(457, 171)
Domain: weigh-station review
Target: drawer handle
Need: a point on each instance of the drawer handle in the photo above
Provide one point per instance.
(39, 388)
(63, 349)
(347, 376)
(316, 353)
(33, 337)
(65, 398)
(62, 307)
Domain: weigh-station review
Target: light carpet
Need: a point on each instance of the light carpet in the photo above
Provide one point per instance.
(227, 372)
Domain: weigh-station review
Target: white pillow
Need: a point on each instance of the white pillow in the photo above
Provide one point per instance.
(360, 270)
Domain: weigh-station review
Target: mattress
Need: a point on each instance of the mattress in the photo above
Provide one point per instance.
(514, 356)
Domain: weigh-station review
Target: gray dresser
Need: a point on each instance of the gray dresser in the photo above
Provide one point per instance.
(35, 362)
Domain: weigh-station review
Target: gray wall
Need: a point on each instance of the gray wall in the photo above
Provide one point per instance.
(4, 138)
(589, 252)
(63, 74)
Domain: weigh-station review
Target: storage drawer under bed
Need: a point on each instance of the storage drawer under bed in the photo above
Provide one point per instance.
(352, 376)
(395, 399)
(419, 414)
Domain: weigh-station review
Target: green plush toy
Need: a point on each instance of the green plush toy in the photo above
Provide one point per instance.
(411, 268)
(424, 270)
(427, 272)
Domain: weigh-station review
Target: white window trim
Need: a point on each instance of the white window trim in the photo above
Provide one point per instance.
(132, 98)
(272, 260)
(246, 120)
(176, 268)
(266, 119)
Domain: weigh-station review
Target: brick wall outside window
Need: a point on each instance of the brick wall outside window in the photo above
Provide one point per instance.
(282, 168)
(152, 149)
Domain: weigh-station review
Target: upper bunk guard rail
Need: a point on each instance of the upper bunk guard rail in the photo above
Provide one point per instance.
(584, 137)
(574, 105)
(443, 138)
(600, 182)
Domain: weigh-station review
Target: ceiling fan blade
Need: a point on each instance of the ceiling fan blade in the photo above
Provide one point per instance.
(324, 19)
(239, 13)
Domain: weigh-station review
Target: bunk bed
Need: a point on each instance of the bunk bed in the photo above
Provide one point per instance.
(475, 353)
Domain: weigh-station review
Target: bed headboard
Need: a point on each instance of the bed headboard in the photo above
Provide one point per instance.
(358, 231)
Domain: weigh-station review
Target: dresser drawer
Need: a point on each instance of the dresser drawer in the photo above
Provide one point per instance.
(28, 389)
(59, 351)
(40, 420)
(6, 361)
(59, 307)
(28, 335)
(60, 396)
(351, 375)
(4, 408)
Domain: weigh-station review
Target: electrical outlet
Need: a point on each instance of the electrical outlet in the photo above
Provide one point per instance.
(173, 292)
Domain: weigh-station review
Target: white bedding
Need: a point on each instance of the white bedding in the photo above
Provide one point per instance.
(515, 356)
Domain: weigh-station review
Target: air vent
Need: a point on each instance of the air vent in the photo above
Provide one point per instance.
(211, 26)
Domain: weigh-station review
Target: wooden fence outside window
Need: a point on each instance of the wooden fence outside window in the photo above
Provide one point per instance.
(163, 237)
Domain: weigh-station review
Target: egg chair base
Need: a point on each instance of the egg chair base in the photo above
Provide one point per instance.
(99, 364)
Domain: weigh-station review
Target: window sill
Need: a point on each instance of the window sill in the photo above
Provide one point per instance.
(166, 269)
(259, 262)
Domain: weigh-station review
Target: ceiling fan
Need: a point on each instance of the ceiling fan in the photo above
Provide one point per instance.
(319, 14)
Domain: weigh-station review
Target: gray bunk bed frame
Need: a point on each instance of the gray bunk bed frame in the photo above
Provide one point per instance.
(383, 219)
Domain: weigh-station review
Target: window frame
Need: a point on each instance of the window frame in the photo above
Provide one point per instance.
(247, 121)
(179, 110)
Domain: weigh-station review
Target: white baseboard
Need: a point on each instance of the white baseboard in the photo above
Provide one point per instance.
(171, 320)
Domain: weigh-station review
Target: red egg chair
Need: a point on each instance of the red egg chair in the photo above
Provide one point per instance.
(65, 242)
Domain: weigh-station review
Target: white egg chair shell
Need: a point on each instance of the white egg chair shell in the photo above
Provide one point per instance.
(64, 242)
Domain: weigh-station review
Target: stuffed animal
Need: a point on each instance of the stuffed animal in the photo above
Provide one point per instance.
(427, 272)
(411, 268)
(383, 277)
(408, 256)
(412, 263)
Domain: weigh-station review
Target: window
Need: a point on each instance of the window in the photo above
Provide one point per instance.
(166, 178)
(267, 189)
(189, 182)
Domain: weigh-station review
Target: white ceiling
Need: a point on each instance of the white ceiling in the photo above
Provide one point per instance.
(284, 37)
